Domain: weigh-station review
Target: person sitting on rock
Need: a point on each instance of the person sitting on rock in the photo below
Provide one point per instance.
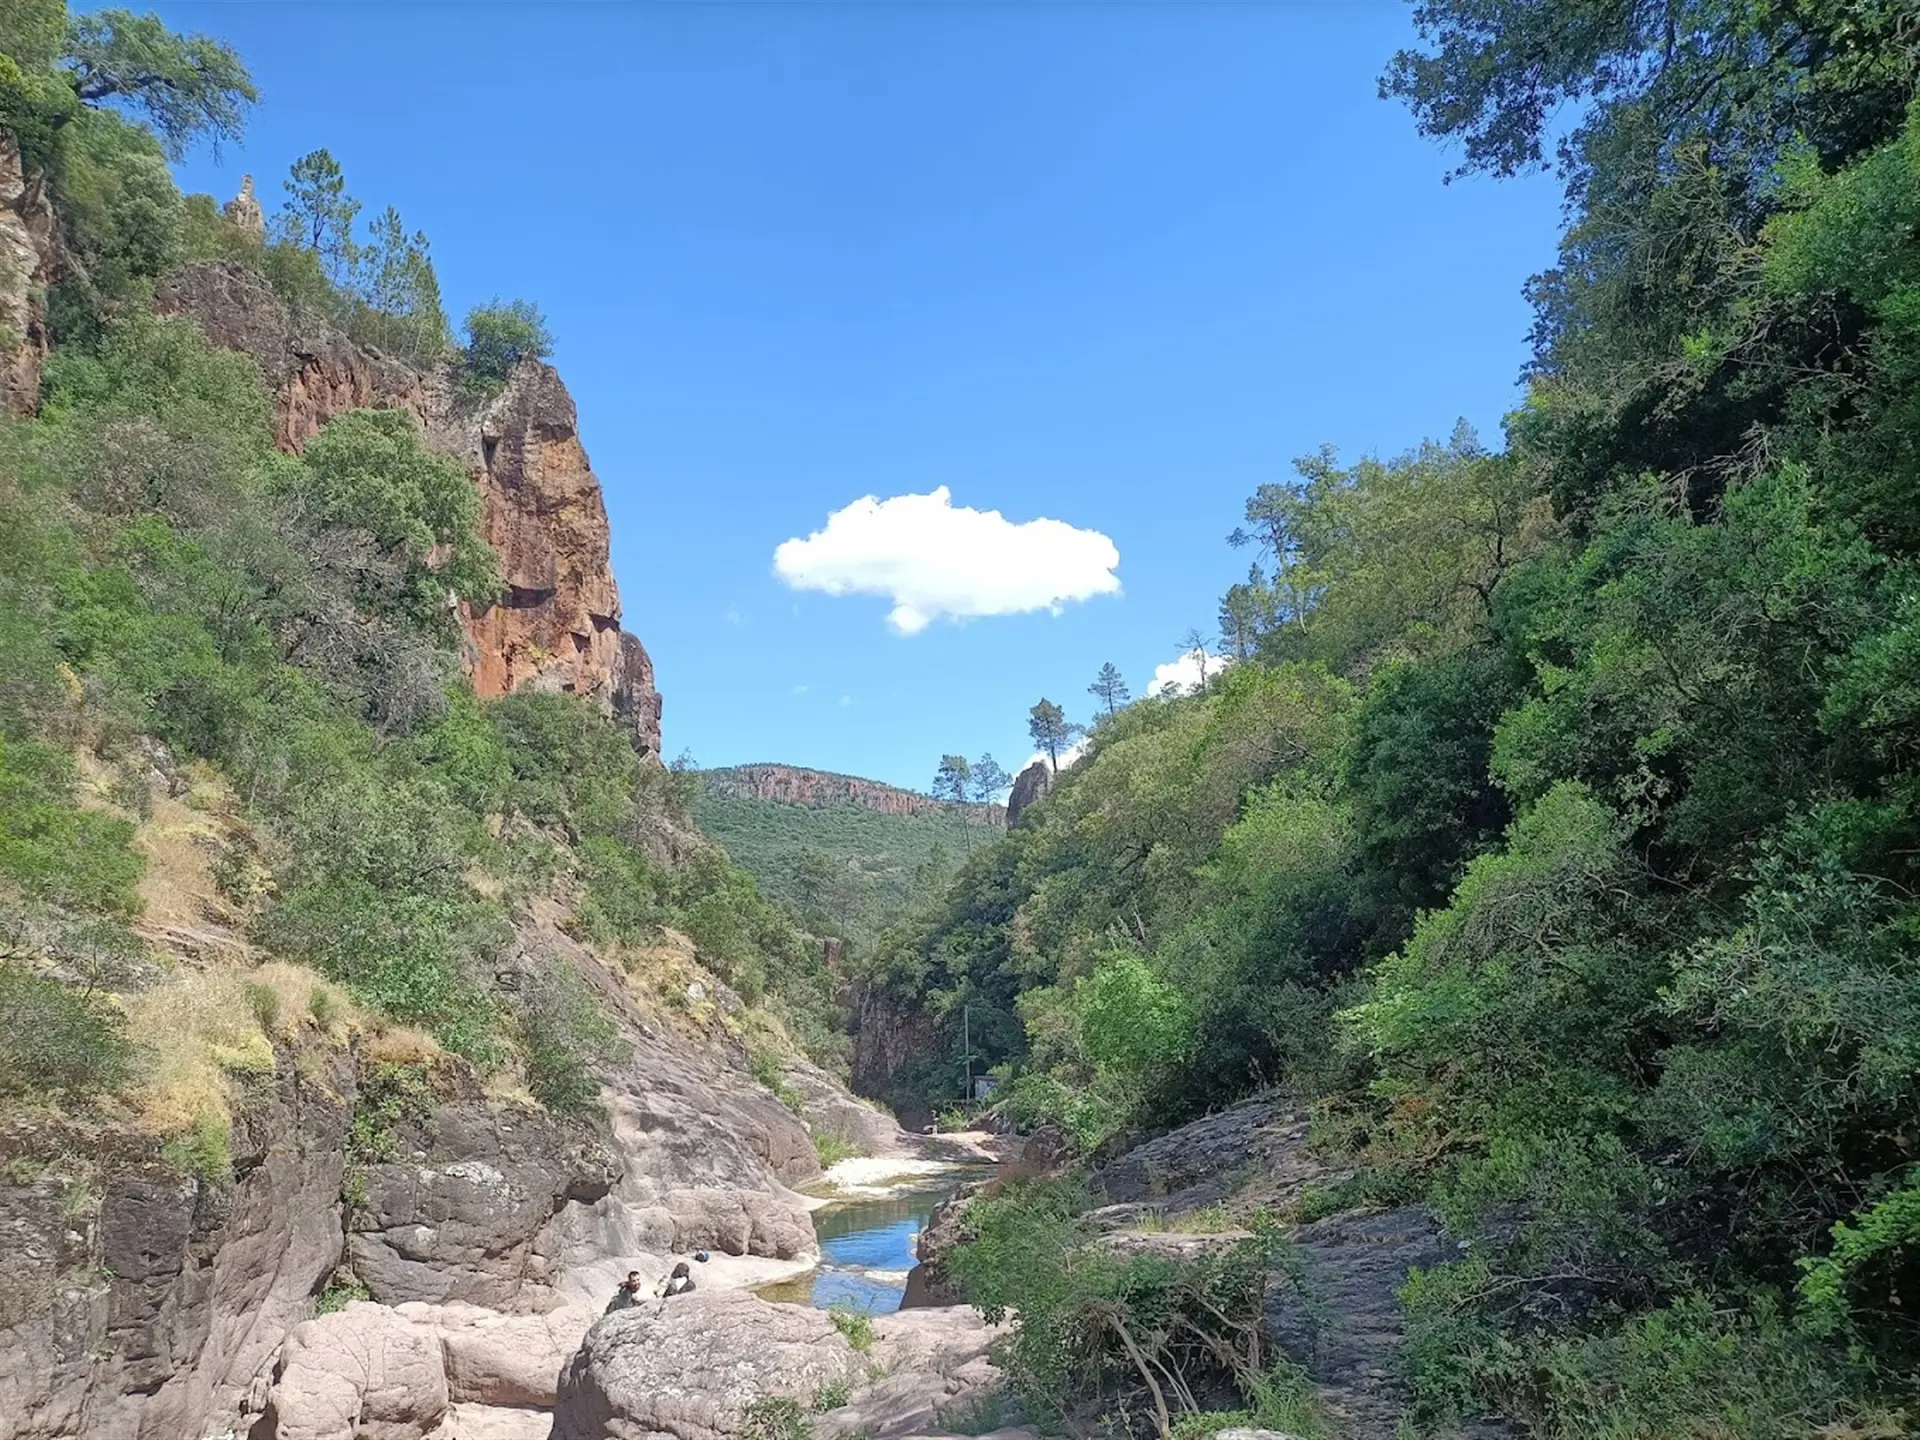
(680, 1282)
(627, 1295)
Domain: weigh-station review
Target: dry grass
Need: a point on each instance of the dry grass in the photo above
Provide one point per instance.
(401, 1045)
(198, 1031)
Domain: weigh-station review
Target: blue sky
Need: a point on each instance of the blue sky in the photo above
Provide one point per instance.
(1111, 265)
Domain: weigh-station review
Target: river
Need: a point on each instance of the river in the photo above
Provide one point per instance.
(866, 1245)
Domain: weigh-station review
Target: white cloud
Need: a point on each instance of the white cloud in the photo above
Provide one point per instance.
(1067, 756)
(1184, 672)
(734, 617)
(935, 560)
(801, 689)
(846, 702)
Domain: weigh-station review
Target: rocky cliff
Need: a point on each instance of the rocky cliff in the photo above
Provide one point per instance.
(27, 257)
(1029, 788)
(557, 623)
(819, 789)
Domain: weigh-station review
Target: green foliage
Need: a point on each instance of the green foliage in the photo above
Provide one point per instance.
(775, 1418)
(369, 470)
(855, 1327)
(1146, 1335)
(51, 848)
(318, 215)
(831, 1395)
(205, 1151)
(341, 1291)
(187, 87)
(840, 869)
(399, 294)
(63, 1045)
(500, 334)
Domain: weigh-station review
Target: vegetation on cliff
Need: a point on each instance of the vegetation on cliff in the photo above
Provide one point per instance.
(267, 646)
(1558, 830)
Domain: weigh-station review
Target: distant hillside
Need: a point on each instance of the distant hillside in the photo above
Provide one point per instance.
(847, 854)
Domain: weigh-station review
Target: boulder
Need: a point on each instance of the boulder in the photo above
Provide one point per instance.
(828, 1109)
(1255, 1151)
(691, 1367)
(365, 1373)
(507, 1360)
(932, 1367)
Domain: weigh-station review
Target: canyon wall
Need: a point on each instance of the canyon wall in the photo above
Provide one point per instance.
(556, 625)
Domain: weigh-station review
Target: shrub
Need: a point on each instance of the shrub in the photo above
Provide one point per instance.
(855, 1326)
(773, 1418)
(500, 335)
(1145, 1333)
(832, 1148)
(61, 1044)
(831, 1395)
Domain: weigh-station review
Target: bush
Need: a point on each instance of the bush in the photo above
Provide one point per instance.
(855, 1326)
(62, 1044)
(1146, 1335)
(500, 335)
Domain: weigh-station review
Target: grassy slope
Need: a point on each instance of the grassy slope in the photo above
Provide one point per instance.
(875, 858)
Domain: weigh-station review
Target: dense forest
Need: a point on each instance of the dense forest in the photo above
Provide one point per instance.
(1556, 839)
(232, 675)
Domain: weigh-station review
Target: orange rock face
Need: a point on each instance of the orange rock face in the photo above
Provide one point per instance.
(27, 263)
(557, 626)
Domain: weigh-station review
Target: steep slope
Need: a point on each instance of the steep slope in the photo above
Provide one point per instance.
(556, 624)
(846, 854)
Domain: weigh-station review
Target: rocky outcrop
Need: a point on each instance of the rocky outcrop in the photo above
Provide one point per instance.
(1029, 789)
(1340, 1319)
(695, 1368)
(28, 250)
(557, 623)
(690, 1367)
(414, 1371)
(244, 212)
(463, 1212)
(829, 1110)
(820, 789)
(1255, 1152)
(138, 1300)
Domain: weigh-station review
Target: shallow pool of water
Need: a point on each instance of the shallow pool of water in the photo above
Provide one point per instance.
(866, 1248)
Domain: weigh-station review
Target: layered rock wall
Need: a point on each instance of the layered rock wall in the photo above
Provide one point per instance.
(27, 261)
(557, 623)
(818, 789)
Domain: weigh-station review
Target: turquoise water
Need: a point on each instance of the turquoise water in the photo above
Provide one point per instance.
(866, 1250)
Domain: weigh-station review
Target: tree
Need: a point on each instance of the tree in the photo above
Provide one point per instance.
(1048, 725)
(1109, 688)
(1746, 73)
(1195, 643)
(500, 334)
(400, 291)
(318, 214)
(950, 781)
(185, 86)
(988, 780)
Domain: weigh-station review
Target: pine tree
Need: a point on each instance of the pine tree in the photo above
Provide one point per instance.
(318, 214)
(1109, 688)
(1048, 725)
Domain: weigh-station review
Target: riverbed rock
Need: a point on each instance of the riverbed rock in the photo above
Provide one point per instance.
(933, 1368)
(367, 1372)
(690, 1367)
(829, 1110)
(1343, 1323)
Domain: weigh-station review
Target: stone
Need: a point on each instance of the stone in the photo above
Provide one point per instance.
(828, 1109)
(1255, 1151)
(364, 1373)
(149, 1311)
(690, 1367)
(931, 1364)
(29, 250)
(508, 1361)
(1343, 1323)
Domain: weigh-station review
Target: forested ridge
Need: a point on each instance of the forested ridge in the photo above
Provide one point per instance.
(1555, 837)
(248, 796)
